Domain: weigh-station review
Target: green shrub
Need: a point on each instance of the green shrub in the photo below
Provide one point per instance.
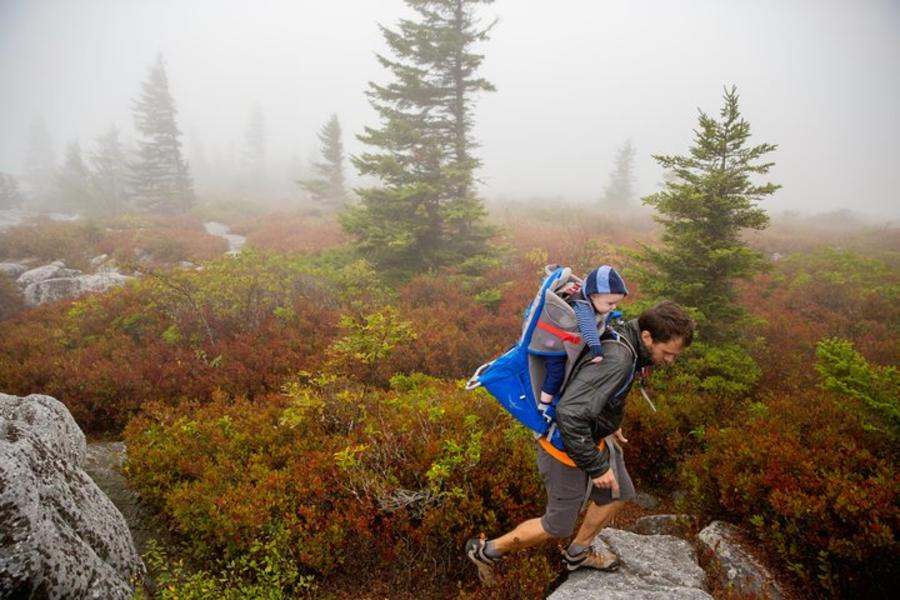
(875, 389)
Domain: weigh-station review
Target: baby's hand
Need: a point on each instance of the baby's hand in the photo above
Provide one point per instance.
(546, 398)
(596, 359)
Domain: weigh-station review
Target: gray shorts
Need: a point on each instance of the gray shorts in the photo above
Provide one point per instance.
(567, 488)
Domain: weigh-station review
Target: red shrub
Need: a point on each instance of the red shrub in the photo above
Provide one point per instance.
(368, 486)
(817, 498)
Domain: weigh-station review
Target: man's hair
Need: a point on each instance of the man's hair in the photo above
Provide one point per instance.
(667, 321)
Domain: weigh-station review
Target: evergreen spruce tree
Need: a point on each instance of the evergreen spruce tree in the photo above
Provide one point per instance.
(619, 193)
(10, 195)
(108, 175)
(327, 188)
(160, 180)
(73, 182)
(704, 209)
(426, 213)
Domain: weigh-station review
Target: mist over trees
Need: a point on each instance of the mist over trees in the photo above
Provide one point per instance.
(10, 194)
(426, 213)
(253, 152)
(619, 192)
(40, 167)
(109, 172)
(327, 189)
(73, 181)
(160, 180)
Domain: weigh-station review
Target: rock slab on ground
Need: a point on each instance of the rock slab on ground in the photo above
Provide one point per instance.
(654, 567)
(737, 569)
(60, 536)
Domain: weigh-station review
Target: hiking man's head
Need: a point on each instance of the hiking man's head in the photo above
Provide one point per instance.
(666, 330)
(605, 288)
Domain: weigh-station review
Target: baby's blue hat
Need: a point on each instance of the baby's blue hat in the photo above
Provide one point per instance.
(604, 280)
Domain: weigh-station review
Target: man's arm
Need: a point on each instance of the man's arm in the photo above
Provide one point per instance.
(582, 402)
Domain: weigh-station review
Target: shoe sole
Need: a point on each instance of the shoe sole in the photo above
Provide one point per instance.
(485, 572)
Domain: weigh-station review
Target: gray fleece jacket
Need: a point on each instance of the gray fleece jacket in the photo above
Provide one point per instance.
(593, 402)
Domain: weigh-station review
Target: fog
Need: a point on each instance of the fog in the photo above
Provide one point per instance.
(575, 79)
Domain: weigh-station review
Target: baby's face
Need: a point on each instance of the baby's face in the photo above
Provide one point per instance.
(606, 303)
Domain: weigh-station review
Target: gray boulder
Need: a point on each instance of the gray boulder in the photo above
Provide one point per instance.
(99, 260)
(54, 270)
(51, 290)
(647, 501)
(737, 569)
(654, 567)
(60, 536)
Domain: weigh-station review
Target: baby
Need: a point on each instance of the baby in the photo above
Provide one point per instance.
(602, 291)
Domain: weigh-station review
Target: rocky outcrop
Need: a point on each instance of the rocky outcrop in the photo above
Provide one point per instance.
(736, 569)
(53, 282)
(60, 536)
(654, 567)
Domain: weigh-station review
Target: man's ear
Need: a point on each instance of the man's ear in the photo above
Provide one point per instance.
(646, 338)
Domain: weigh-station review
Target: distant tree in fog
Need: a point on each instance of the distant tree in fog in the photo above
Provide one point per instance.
(40, 167)
(619, 192)
(327, 188)
(425, 214)
(253, 153)
(109, 171)
(704, 211)
(160, 180)
(10, 196)
(74, 182)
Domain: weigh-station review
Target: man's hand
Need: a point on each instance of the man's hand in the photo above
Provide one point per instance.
(619, 437)
(546, 398)
(608, 480)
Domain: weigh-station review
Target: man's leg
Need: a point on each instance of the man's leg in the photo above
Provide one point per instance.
(595, 518)
(485, 554)
(601, 510)
(565, 492)
(526, 534)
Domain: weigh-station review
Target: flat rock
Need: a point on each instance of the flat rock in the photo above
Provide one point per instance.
(54, 270)
(654, 567)
(60, 536)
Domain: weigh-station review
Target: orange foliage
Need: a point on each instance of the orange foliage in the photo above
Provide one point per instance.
(279, 232)
(368, 486)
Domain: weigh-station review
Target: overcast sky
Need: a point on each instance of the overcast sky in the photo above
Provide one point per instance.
(575, 79)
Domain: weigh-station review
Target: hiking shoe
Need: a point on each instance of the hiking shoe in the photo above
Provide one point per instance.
(485, 564)
(602, 561)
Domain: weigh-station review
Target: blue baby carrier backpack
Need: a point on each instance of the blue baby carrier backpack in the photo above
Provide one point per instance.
(549, 329)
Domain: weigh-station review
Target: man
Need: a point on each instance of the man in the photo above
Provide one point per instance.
(589, 417)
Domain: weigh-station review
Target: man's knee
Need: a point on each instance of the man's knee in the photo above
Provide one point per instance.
(559, 525)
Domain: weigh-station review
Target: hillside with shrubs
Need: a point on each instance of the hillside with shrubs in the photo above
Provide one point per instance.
(295, 411)
(299, 420)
